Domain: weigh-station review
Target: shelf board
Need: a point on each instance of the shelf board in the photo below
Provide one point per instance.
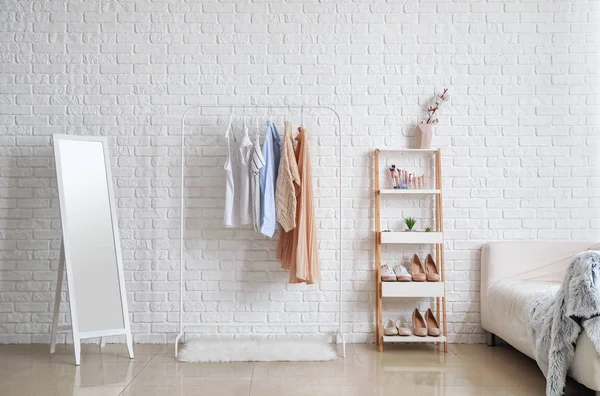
(406, 150)
(411, 237)
(412, 289)
(413, 338)
(409, 192)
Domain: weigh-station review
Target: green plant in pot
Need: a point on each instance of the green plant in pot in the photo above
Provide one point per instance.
(428, 229)
(410, 223)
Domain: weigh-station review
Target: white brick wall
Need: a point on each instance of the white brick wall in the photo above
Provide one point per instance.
(520, 140)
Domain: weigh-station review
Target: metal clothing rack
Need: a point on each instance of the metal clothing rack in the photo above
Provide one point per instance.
(183, 326)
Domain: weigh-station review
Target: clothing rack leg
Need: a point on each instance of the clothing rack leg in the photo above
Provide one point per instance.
(177, 343)
(340, 338)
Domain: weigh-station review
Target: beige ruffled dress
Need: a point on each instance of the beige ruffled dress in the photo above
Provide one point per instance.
(298, 248)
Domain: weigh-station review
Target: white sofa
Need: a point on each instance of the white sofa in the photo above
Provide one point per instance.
(511, 274)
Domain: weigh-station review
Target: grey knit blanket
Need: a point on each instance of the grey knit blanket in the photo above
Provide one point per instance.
(557, 320)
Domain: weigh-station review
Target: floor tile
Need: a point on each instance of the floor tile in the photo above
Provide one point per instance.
(308, 374)
(456, 391)
(186, 390)
(214, 370)
(312, 391)
(40, 389)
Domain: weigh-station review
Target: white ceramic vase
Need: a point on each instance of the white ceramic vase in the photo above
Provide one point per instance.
(423, 134)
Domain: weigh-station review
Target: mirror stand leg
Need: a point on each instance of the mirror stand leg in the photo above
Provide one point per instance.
(61, 268)
(129, 340)
(77, 348)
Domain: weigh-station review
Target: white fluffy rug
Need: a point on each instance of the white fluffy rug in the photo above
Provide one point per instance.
(255, 350)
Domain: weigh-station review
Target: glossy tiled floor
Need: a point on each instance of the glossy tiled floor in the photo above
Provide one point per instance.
(415, 370)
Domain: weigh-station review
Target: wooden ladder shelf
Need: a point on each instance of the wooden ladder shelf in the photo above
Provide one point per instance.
(436, 238)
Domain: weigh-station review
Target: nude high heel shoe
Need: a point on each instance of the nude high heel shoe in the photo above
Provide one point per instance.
(418, 271)
(431, 268)
(433, 327)
(419, 327)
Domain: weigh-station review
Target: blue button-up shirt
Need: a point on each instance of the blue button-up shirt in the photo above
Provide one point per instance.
(271, 151)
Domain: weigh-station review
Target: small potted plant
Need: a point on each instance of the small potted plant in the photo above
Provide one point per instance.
(410, 223)
(423, 130)
(427, 229)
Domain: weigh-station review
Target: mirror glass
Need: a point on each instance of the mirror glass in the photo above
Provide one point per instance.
(88, 230)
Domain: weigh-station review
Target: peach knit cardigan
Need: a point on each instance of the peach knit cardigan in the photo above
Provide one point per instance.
(288, 182)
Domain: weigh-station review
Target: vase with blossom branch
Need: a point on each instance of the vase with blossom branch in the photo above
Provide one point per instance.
(423, 132)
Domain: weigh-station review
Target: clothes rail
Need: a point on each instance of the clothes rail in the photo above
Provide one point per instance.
(183, 326)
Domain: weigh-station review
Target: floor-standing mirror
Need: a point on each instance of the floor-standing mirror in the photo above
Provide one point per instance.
(90, 250)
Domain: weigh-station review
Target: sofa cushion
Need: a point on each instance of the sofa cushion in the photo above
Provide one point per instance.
(508, 305)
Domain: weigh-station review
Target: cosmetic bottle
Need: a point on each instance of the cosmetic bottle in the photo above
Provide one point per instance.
(393, 176)
(403, 180)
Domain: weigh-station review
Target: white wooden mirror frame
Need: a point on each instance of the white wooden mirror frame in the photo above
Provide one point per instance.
(66, 264)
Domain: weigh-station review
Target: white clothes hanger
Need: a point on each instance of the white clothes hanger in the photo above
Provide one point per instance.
(230, 125)
(257, 130)
(244, 117)
(231, 114)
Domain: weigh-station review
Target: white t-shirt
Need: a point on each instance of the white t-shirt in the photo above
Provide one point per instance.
(232, 166)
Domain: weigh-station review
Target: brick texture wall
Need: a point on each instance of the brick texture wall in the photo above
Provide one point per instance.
(519, 138)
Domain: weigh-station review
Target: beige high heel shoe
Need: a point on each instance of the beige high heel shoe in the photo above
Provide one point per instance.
(419, 327)
(431, 268)
(433, 327)
(418, 271)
